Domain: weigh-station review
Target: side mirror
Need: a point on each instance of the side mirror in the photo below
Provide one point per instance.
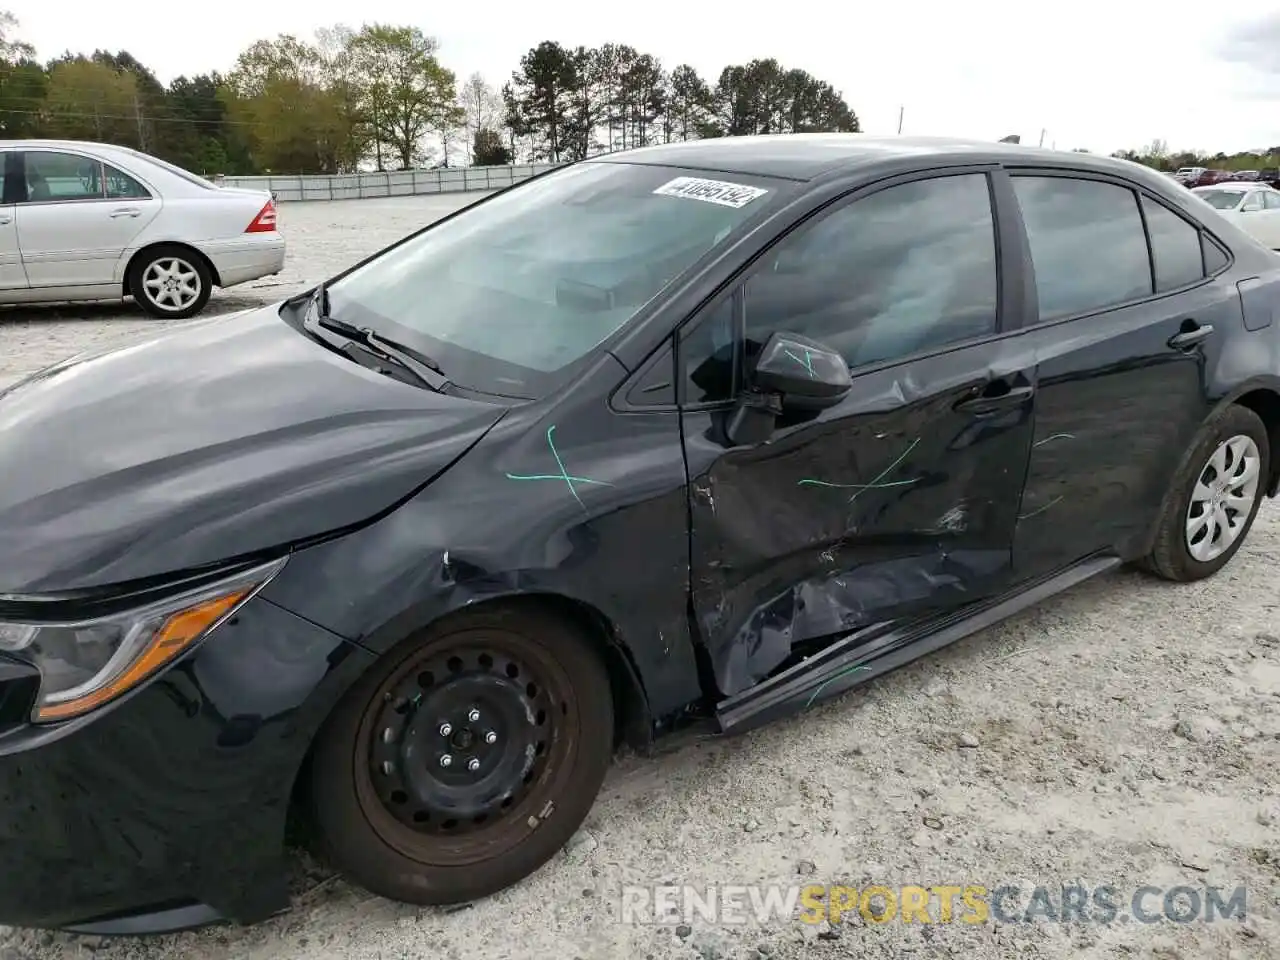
(807, 374)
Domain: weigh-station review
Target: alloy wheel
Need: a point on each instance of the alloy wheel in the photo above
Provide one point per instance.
(171, 283)
(1223, 498)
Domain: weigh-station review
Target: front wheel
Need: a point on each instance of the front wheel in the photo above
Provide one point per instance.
(170, 282)
(466, 759)
(1216, 495)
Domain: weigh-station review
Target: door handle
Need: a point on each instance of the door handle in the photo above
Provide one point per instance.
(1192, 333)
(6, 218)
(989, 401)
(125, 212)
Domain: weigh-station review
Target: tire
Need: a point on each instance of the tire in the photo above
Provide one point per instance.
(150, 266)
(420, 833)
(1174, 552)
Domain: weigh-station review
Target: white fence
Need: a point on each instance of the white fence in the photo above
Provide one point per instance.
(401, 183)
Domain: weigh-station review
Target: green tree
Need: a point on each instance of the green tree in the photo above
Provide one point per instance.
(544, 88)
(88, 100)
(689, 104)
(280, 112)
(409, 94)
(487, 148)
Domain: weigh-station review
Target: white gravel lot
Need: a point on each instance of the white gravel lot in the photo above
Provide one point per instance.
(1127, 733)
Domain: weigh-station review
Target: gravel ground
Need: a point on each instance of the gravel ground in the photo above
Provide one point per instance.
(1127, 733)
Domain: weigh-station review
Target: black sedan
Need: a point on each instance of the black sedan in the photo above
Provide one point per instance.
(691, 435)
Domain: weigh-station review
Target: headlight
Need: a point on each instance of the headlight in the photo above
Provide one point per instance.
(88, 663)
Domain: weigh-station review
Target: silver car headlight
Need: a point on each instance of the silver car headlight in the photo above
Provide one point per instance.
(88, 663)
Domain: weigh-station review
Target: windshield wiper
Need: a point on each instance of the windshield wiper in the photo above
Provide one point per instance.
(423, 367)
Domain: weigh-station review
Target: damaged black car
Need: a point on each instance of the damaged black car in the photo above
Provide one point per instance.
(698, 434)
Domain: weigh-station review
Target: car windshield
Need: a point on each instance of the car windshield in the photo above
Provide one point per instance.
(512, 295)
(1222, 199)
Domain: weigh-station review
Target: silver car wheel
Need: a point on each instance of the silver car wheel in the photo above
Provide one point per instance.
(171, 283)
(1223, 498)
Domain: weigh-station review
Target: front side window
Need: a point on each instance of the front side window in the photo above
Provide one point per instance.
(511, 294)
(709, 356)
(1252, 202)
(909, 268)
(53, 177)
(1088, 245)
(1175, 246)
(1272, 200)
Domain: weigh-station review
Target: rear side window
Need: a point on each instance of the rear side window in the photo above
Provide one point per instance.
(1088, 245)
(1175, 246)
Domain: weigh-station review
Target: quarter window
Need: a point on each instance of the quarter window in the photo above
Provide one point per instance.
(121, 186)
(53, 177)
(1088, 247)
(1215, 258)
(907, 269)
(1175, 246)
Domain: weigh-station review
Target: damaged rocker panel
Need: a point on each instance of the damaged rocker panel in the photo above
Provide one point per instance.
(875, 650)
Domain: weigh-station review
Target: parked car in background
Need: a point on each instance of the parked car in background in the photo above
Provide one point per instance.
(697, 434)
(1270, 176)
(1189, 176)
(1253, 207)
(1244, 175)
(92, 221)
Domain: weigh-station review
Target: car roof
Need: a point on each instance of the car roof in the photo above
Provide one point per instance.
(90, 145)
(807, 156)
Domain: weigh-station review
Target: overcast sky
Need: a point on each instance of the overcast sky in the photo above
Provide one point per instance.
(1100, 75)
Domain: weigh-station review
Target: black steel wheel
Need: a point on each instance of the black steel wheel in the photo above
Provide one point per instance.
(465, 761)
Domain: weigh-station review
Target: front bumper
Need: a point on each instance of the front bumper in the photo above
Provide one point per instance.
(167, 809)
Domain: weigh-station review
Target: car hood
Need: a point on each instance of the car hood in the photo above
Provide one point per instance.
(220, 439)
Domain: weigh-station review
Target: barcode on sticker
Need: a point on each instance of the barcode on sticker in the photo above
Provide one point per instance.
(711, 191)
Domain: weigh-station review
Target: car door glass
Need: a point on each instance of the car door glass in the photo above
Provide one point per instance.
(1252, 202)
(707, 354)
(1271, 200)
(906, 269)
(1215, 258)
(53, 177)
(1175, 245)
(121, 186)
(1088, 247)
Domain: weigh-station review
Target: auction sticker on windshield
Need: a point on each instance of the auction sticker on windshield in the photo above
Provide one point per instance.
(711, 191)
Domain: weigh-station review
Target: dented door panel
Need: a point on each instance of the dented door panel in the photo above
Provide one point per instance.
(892, 504)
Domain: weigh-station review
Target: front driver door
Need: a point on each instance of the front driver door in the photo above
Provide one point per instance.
(902, 499)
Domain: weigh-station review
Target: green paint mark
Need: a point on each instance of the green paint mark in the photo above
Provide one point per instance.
(807, 362)
(1036, 513)
(830, 680)
(878, 483)
(564, 474)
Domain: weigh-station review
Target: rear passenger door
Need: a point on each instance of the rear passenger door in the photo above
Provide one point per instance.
(78, 218)
(1122, 330)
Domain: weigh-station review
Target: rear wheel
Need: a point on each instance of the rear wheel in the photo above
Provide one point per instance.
(170, 281)
(1215, 498)
(466, 760)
